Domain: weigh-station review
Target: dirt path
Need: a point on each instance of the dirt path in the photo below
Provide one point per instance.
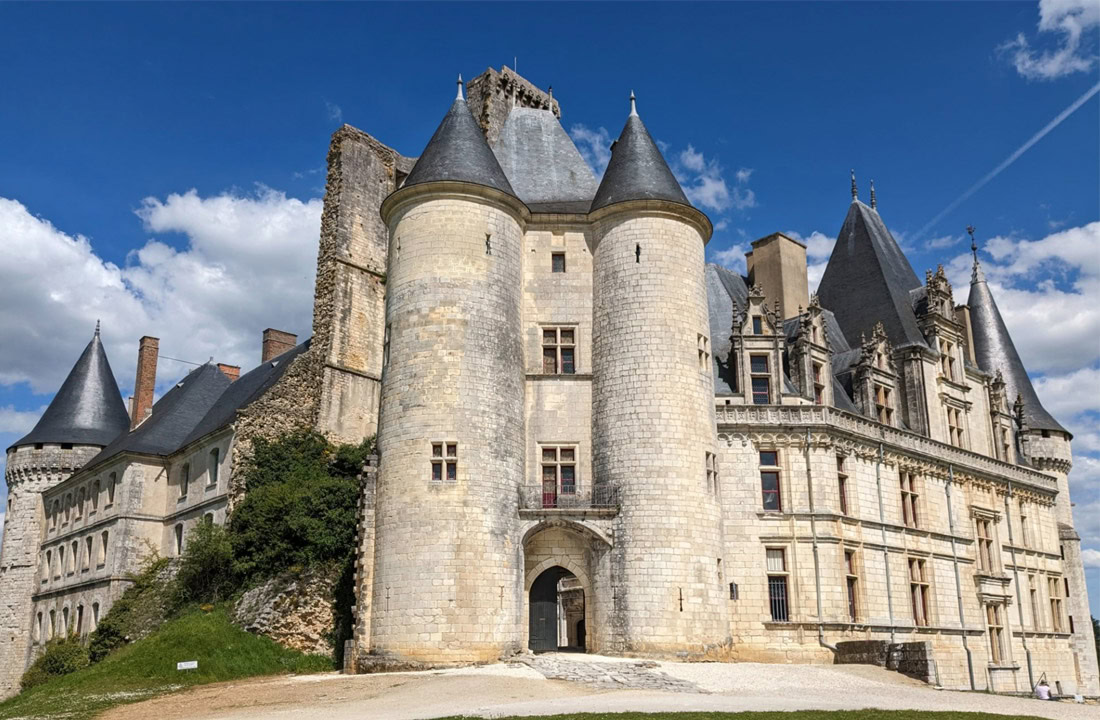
(590, 685)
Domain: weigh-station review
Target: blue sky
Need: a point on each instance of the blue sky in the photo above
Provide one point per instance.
(163, 163)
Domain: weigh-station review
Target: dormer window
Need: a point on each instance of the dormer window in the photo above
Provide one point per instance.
(757, 325)
(947, 359)
(819, 385)
(883, 410)
(761, 379)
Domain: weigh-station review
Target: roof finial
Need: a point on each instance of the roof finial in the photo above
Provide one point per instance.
(550, 92)
(855, 191)
(459, 95)
(97, 328)
(976, 275)
(874, 204)
(633, 107)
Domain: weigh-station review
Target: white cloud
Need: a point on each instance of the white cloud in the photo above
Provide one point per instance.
(1070, 394)
(247, 263)
(692, 159)
(594, 146)
(18, 422)
(743, 175)
(732, 257)
(334, 111)
(1071, 21)
(943, 241)
(819, 247)
(1091, 558)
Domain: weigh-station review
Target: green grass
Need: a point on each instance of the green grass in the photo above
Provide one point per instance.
(148, 668)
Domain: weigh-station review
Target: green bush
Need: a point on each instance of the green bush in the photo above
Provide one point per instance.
(140, 610)
(300, 506)
(61, 657)
(205, 573)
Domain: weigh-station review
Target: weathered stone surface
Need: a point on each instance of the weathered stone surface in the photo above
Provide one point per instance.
(295, 609)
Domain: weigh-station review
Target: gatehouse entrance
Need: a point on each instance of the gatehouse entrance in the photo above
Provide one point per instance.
(557, 612)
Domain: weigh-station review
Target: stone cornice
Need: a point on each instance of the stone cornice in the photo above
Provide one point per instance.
(829, 427)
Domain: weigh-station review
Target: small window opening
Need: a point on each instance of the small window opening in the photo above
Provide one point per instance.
(488, 244)
(557, 262)
(638, 253)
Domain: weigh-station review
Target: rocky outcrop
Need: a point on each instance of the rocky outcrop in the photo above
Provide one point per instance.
(295, 609)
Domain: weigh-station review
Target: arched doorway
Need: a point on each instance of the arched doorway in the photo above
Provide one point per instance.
(556, 612)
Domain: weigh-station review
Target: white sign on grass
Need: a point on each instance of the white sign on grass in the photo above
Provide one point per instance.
(189, 665)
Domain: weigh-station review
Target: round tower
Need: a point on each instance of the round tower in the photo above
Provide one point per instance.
(85, 415)
(448, 570)
(654, 433)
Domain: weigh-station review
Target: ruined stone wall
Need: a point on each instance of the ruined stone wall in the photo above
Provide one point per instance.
(448, 562)
(28, 472)
(653, 427)
(492, 95)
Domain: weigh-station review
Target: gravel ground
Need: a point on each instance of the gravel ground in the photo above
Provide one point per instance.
(527, 689)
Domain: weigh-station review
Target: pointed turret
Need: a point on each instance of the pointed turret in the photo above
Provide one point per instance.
(995, 351)
(458, 152)
(88, 409)
(868, 279)
(637, 170)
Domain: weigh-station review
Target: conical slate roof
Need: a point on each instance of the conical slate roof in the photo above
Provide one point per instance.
(88, 409)
(868, 280)
(994, 350)
(458, 152)
(543, 164)
(637, 170)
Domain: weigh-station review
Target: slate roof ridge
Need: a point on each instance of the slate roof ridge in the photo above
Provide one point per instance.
(994, 350)
(459, 152)
(87, 409)
(637, 170)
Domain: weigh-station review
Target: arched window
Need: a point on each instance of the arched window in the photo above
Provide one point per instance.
(185, 479)
(53, 625)
(74, 556)
(38, 629)
(68, 506)
(80, 503)
(179, 539)
(111, 482)
(79, 628)
(55, 513)
(88, 552)
(65, 622)
(95, 616)
(96, 489)
(208, 518)
(103, 549)
(215, 457)
(49, 566)
(60, 561)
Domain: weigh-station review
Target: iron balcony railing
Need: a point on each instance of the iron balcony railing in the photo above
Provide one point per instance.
(536, 497)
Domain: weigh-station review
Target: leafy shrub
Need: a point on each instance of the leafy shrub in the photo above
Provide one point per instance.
(300, 506)
(61, 657)
(140, 610)
(205, 573)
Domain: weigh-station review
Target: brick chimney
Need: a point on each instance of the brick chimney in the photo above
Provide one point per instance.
(148, 349)
(231, 371)
(277, 342)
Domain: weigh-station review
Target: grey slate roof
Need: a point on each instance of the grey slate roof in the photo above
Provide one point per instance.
(242, 392)
(995, 351)
(174, 416)
(88, 409)
(542, 163)
(868, 280)
(726, 294)
(458, 151)
(637, 170)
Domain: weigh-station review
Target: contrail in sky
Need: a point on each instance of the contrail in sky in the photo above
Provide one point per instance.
(1012, 158)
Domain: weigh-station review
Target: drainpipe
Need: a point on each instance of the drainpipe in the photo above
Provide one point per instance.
(817, 563)
(885, 549)
(1019, 596)
(958, 583)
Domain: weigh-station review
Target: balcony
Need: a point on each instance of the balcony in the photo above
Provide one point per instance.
(599, 501)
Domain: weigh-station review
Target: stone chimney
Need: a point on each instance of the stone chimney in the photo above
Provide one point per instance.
(777, 263)
(146, 381)
(277, 342)
(231, 371)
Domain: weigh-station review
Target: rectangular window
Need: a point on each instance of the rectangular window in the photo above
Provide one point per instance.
(215, 465)
(918, 592)
(985, 546)
(909, 507)
(386, 347)
(758, 364)
(884, 410)
(761, 391)
(703, 346)
(852, 582)
(1025, 528)
(103, 549)
(558, 350)
(557, 262)
(769, 481)
(777, 584)
(712, 472)
(996, 632)
(757, 325)
(444, 464)
(955, 434)
(819, 384)
(559, 473)
(185, 479)
(1033, 592)
(1055, 604)
(842, 485)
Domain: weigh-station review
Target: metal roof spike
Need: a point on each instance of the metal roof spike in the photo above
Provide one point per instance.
(855, 191)
(874, 204)
(97, 328)
(633, 105)
(459, 95)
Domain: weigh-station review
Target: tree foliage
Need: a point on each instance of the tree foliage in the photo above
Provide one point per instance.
(61, 657)
(142, 607)
(205, 573)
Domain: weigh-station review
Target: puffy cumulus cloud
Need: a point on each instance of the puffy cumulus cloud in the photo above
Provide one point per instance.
(1091, 558)
(18, 422)
(248, 263)
(819, 247)
(1071, 394)
(1072, 22)
(704, 182)
(594, 146)
(732, 257)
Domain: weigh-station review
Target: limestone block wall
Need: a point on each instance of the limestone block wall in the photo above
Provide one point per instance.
(448, 573)
(653, 426)
(29, 471)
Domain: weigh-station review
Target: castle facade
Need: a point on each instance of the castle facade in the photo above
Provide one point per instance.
(590, 438)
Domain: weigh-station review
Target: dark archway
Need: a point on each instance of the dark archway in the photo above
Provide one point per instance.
(556, 612)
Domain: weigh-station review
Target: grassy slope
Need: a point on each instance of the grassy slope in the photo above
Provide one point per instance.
(148, 668)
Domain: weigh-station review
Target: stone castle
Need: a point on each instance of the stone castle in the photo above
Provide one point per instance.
(590, 438)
